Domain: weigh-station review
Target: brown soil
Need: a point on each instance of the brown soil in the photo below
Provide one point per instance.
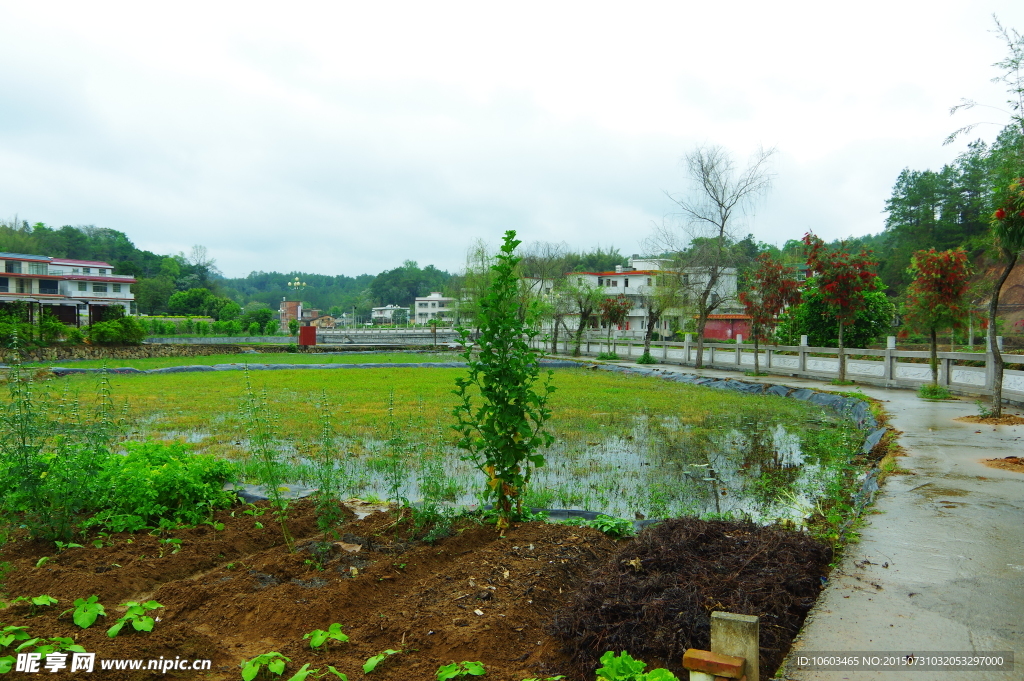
(1009, 463)
(1004, 420)
(232, 594)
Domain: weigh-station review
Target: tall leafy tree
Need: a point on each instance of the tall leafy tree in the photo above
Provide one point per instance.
(614, 312)
(843, 279)
(1008, 232)
(586, 301)
(666, 294)
(937, 298)
(773, 288)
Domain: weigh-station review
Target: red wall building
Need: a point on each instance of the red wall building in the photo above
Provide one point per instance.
(727, 326)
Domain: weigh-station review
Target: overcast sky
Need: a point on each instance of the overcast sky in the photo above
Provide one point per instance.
(343, 138)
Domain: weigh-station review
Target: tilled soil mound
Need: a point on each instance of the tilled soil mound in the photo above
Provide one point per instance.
(654, 598)
(234, 593)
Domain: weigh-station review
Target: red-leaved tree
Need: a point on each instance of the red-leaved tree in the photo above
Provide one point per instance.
(937, 298)
(1008, 230)
(614, 312)
(773, 287)
(843, 279)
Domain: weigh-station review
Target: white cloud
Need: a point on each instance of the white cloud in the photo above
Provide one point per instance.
(346, 138)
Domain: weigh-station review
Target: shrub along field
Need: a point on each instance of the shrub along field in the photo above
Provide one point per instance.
(263, 358)
(429, 582)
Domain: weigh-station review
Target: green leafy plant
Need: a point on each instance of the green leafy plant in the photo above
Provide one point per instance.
(397, 448)
(328, 473)
(319, 637)
(136, 614)
(45, 646)
(984, 410)
(372, 662)
(162, 484)
(646, 359)
(86, 611)
(261, 428)
(41, 601)
(460, 669)
(305, 672)
(274, 662)
(608, 355)
(623, 667)
(52, 453)
(930, 391)
(9, 635)
(502, 434)
(613, 527)
(548, 678)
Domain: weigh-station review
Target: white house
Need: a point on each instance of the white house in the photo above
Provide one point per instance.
(435, 307)
(75, 291)
(386, 314)
(639, 277)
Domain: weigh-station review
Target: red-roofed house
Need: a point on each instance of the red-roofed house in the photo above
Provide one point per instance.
(641, 274)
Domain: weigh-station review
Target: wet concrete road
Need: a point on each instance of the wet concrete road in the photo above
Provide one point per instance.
(940, 564)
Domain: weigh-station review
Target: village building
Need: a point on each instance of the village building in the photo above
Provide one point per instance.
(435, 307)
(386, 314)
(640, 277)
(76, 292)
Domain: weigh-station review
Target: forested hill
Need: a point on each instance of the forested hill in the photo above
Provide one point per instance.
(80, 243)
(321, 291)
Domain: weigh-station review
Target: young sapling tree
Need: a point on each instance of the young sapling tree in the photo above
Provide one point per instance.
(503, 403)
(614, 312)
(937, 298)
(773, 288)
(843, 279)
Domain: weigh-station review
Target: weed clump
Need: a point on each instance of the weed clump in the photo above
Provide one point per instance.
(675, 573)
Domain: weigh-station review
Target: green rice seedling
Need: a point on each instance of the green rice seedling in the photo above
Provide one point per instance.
(136, 615)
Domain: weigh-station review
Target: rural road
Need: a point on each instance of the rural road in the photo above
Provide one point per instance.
(940, 564)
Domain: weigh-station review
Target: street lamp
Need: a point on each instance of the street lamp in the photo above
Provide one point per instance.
(297, 285)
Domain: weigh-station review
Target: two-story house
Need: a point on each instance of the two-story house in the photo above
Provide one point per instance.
(435, 307)
(75, 291)
(641, 276)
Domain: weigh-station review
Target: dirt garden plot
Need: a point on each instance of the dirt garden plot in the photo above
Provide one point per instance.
(546, 599)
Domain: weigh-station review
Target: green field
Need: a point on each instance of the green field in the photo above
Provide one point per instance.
(261, 358)
(624, 444)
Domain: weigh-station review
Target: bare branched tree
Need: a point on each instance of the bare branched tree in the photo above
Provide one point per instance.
(713, 210)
